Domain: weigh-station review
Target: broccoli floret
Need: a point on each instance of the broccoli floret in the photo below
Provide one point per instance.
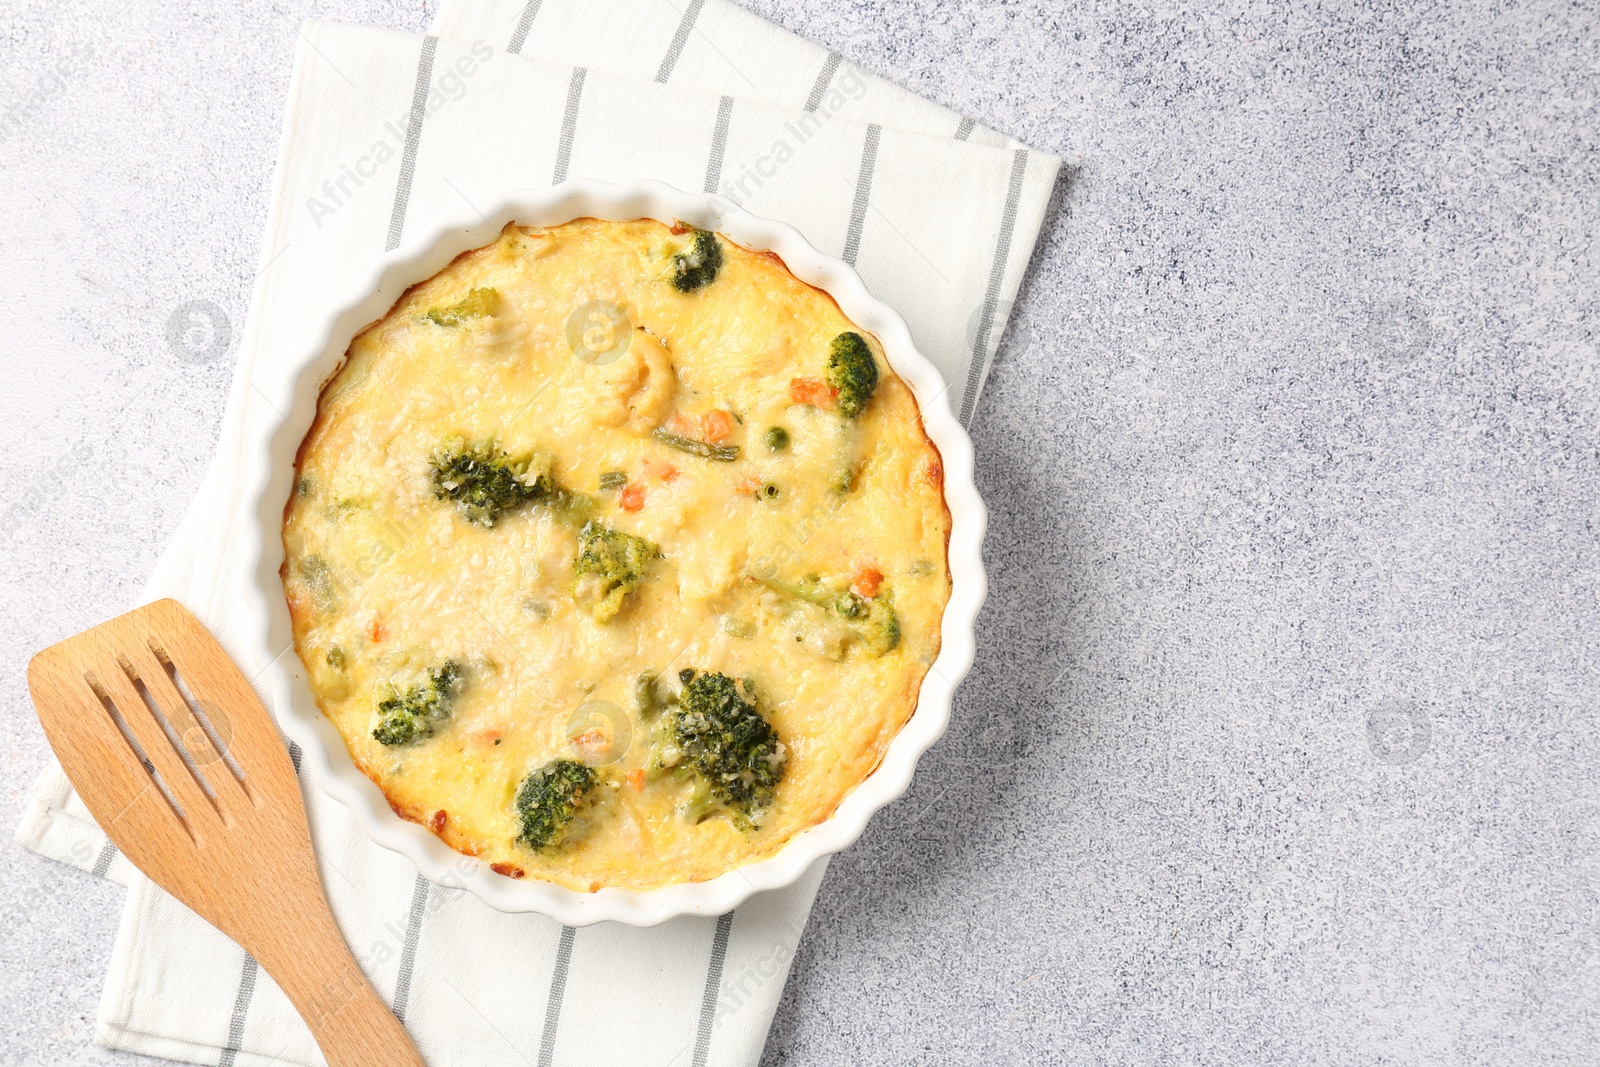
(476, 304)
(871, 620)
(715, 738)
(548, 799)
(852, 371)
(323, 584)
(845, 604)
(415, 714)
(828, 446)
(484, 481)
(610, 565)
(646, 696)
(880, 629)
(696, 267)
(703, 449)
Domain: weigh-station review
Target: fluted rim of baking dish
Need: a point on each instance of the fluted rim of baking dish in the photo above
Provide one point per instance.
(325, 755)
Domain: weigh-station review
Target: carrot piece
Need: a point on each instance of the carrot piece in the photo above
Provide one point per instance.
(636, 779)
(660, 471)
(717, 426)
(866, 581)
(632, 497)
(436, 823)
(813, 391)
(377, 631)
(749, 486)
(595, 738)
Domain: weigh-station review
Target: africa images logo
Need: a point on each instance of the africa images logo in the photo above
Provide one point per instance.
(755, 173)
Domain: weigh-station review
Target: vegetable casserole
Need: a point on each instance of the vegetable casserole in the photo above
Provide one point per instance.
(616, 554)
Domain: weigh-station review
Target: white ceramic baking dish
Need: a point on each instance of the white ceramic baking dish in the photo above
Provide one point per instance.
(422, 255)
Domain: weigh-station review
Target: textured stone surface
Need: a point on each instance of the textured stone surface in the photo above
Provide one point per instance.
(1280, 744)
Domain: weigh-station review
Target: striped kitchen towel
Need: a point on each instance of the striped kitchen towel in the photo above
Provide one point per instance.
(386, 131)
(710, 45)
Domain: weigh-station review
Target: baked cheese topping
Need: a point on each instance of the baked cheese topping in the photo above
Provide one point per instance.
(616, 554)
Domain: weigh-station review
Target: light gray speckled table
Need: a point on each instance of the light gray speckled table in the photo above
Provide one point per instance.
(1280, 744)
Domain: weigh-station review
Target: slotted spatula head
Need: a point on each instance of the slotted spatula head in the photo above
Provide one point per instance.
(183, 768)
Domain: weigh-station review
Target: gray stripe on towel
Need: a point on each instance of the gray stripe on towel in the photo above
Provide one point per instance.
(558, 990)
(520, 35)
(569, 125)
(858, 210)
(408, 159)
(679, 39)
(241, 1008)
(830, 66)
(708, 1002)
(964, 130)
(408, 954)
(997, 274)
(102, 862)
(719, 144)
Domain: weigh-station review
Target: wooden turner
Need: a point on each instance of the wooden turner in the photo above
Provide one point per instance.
(183, 768)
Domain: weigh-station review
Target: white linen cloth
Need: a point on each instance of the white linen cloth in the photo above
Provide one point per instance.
(386, 131)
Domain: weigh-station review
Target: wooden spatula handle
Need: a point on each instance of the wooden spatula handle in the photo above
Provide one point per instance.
(315, 970)
(228, 837)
